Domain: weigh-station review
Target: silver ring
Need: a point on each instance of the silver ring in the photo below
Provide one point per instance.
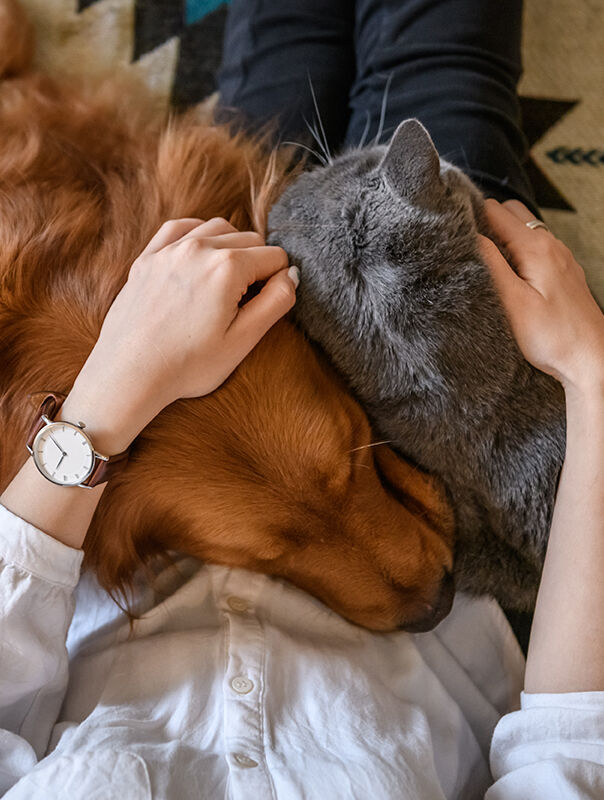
(536, 223)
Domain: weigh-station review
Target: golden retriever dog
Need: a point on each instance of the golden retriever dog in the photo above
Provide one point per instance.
(276, 470)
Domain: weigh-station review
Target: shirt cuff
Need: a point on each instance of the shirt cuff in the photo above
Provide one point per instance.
(561, 732)
(27, 547)
(578, 701)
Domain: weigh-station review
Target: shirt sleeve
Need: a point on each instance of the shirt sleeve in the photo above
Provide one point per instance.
(552, 748)
(37, 578)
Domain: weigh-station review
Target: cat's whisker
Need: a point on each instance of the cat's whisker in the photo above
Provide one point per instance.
(365, 447)
(361, 143)
(325, 147)
(300, 226)
(356, 464)
(454, 152)
(313, 132)
(371, 444)
(388, 130)
(383, 109)
(448, 153)
(318, 156)
(465, 156)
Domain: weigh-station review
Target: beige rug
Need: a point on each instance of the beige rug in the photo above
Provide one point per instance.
(562, 86)
(564, 61)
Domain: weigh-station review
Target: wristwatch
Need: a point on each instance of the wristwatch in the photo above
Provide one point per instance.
(64, 454)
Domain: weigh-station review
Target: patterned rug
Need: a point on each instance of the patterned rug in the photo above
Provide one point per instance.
(176, 46)
(563, 112)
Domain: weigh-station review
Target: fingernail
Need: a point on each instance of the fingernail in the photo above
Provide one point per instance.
(294, 275)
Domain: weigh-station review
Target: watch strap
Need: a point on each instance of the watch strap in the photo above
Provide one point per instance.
(104, 468)
(49, 407)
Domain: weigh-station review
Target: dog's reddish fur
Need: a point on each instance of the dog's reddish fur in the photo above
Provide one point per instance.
(272, 471)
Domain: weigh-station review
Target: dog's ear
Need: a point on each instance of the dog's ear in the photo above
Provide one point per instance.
(419, 492)
(16, 39)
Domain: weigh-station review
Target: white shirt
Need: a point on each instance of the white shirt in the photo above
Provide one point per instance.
(242, 686)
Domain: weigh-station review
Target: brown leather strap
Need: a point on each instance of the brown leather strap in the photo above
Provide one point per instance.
(50, 406)
(102, 470)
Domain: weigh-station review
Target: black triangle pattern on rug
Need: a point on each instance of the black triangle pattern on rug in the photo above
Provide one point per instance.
(538, 116)
(200, 26)
(200, 57)
(156, 21)
(200, 50)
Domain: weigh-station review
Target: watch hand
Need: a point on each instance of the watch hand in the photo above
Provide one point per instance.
(61, 459)
(50, 436)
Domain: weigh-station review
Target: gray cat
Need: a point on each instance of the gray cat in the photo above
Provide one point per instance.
(394, 290)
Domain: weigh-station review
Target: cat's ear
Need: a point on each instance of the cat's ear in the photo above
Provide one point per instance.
(411, 164)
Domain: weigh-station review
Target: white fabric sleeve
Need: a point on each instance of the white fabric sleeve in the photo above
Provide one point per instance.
(37, 577)
(552, 748)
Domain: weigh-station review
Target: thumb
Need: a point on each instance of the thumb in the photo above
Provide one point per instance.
(254, 319)
(510, 287)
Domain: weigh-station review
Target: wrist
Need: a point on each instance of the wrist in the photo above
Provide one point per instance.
(588, 391)
(111, 422)
(584, 374)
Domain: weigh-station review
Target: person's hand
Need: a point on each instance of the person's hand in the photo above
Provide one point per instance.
(553, 315)
(177, 323)
(176, 329)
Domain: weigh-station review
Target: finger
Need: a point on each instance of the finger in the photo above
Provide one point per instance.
(258, 263)
(524, 245)
(510, 287)
(213, 227)
(170, 232)
(255, 318)
(519, 210)
(235, 240)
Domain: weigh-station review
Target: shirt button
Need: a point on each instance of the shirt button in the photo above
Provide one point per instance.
(244, 761)
(242, 685)
(237, 604)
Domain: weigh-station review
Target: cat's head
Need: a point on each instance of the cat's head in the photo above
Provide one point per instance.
(384, 216)
(392, 284)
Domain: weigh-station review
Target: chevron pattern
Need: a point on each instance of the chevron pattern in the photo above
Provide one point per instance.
(538, 117)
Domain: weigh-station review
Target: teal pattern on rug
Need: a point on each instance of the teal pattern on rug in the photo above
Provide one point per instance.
(197, 9)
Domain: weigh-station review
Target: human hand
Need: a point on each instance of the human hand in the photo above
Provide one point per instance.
(556, 321)
(176, 329)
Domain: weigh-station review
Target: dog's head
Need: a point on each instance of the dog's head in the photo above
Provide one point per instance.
(275, 471)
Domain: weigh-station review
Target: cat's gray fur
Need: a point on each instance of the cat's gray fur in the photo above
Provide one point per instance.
(394, 289)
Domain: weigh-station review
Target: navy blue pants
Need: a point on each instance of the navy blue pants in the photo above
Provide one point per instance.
(453, 64)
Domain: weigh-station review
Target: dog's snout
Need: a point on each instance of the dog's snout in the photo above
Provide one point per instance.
(436, 612)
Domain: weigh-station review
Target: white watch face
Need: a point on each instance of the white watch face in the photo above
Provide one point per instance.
(63, 453)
